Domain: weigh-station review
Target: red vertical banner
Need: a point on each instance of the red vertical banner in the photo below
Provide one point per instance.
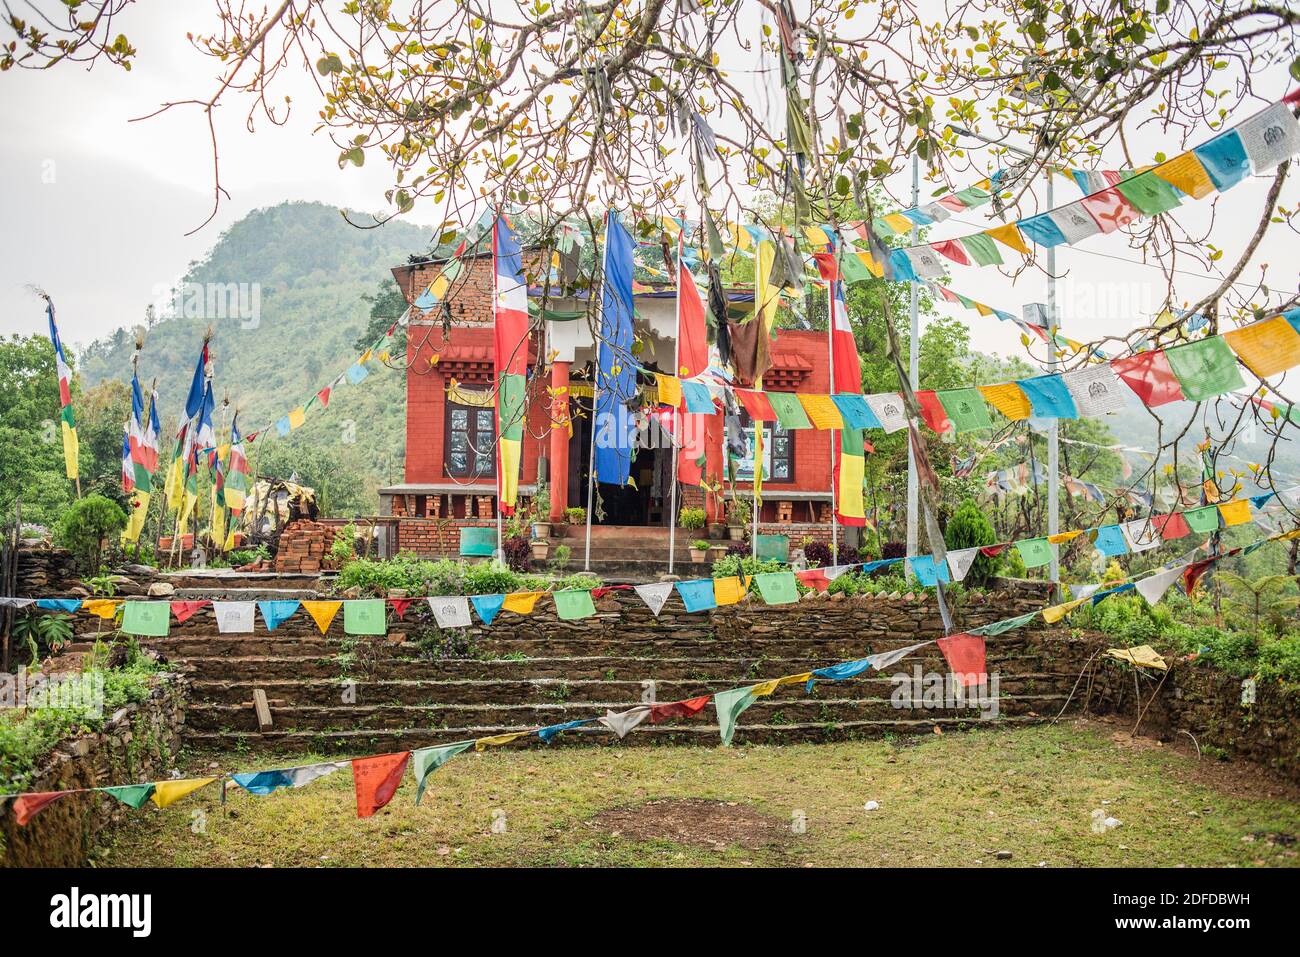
(376, 780)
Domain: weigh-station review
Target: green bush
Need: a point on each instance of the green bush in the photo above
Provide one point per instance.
(969, 527)
(87, 527)
(422, 577)
(691, 518)
(729, 566)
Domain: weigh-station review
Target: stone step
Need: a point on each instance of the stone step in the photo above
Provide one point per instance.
(252, 669)
(804, 709)
(696, 733)
(328, 693)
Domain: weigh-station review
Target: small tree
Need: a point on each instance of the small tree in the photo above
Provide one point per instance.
(1260, 598)
(86, 528)
(970, 528)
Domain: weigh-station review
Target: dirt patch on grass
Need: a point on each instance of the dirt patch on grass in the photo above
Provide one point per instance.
(694, 821)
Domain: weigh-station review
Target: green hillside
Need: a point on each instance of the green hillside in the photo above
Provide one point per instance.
(313, 271)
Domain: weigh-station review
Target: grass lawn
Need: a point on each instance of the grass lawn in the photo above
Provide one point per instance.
(956, 799)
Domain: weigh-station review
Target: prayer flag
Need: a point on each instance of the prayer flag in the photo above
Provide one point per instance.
(375, 780)
(366, 616)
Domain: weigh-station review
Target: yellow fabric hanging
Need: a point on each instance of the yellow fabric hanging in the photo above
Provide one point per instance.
(1008, 398)
(1267, 348)
(822, 411)
(103, 607)
(1143, 656)
(899, 223)
(1057, 612)
(322, 612)
(521, 602)
(169, 792)
(669, 388)
(297, 417)
(1235, 513)
(1185, 172)
(1009, 236)
(1063, 537)
(139, 512)
(728, 591)
(499, 739)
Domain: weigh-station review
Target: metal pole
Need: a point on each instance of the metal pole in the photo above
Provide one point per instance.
(913, 374)
(595, 395)
(496, 299)
(830, 352)
(675, 438)
(1053, 440)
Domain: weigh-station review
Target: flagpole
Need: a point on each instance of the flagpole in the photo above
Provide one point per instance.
(675, 439)
(595, 395)
(496, 304)
(830, 351)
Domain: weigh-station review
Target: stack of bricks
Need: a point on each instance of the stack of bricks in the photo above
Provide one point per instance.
(303, 547)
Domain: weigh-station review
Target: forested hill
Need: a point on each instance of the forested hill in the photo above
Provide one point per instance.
(313, 271)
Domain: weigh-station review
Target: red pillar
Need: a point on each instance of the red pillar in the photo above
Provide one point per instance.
(559, 440)
(713, 436)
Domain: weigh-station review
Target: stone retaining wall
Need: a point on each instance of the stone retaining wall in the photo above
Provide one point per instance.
(1194, 698)
(138, 743)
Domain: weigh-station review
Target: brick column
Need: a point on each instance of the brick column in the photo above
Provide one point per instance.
(559, 440)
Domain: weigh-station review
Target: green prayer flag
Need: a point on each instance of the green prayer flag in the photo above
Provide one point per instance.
(573, 604)
(777, 588)
(132, 795)
(1001, 627)
(769, 547)
(982, 249)
(1203, 520)
(427, 760)
(789, 412)
(729, 705)
(853, 268)
(478, 541)
(510, 406)
(152, 618)
(965, 408)
(1034, 552)
(1205, 368)
(972, 196)
(1149, 194)
(364, 617)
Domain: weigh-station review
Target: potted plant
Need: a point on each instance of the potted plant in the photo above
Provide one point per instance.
(699, 550)
(691, 519)
(576, 515)
(717, 550)
(541, 511)
(736, 521)
(540, 548)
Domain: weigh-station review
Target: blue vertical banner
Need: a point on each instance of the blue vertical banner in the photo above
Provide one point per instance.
(616, 376)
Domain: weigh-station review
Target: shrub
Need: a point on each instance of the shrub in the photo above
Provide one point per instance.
(517, 552)
(819, 554)
(691, 518)
(575, 515)
(970, 528)
(344, 548)
(86, 528)
(744, 564)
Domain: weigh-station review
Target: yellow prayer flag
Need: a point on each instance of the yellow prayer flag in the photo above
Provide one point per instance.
(169, 792)
(741, 235)
(521, 602)
(670, 389)
(1235, 513)
(1057, 612)
(853, 470)
(728, 591)
(1143, 656)
(1267, 348)
(873, 267)
(1063, 537)
(297, 417)
(1009, 236)
(71, 450)
(322, 612)
(898, 222)
(982, 309)
(766, 296)
(1185, 172)
(139, 512)
(103, 607)
(498, 739)
(816, 236)
(822, 411)
(1008, 398)
(767, 687)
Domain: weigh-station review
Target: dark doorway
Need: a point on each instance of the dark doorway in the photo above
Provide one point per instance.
(645, 503)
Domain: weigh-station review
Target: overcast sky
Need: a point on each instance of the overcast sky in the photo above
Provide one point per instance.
(96, 207)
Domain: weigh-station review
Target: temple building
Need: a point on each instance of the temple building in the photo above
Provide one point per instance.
(450, 467)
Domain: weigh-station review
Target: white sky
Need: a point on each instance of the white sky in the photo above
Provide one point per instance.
(96, 207)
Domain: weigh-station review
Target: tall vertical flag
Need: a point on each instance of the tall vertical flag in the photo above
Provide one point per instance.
(181, 470)
(692, 359)
(237, 470)
(510, 328)
(139, 459)
(850, 463)
(616, 372)
(67, 424)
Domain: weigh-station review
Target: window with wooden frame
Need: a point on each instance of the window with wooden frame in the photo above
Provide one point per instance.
(778, 452)
(470, 450)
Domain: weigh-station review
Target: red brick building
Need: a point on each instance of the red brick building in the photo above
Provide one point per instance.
(450, 461)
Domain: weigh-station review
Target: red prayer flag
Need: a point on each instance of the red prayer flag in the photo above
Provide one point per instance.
(184, 610)
(27, 806)
(1192, 574)
(376, 779)
(814, 578)
(992, 551)
(965, 656)
(1150, 376)
(678, 709)
(756, 404)
(953, 250)
(400, 605)
(1171, 526)
(692, 344)
(932, 411)
(324, 396)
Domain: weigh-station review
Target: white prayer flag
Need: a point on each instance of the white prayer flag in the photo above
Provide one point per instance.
(889, 409)
(960, 561)
(1074, 222)
(1096, 390)
(622, 723)
(235, 617)
(654, 595)
(1142, 535)
(451, 611)
(925, 262)
(1270, 136)
(887, 658)
(1154, 587)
